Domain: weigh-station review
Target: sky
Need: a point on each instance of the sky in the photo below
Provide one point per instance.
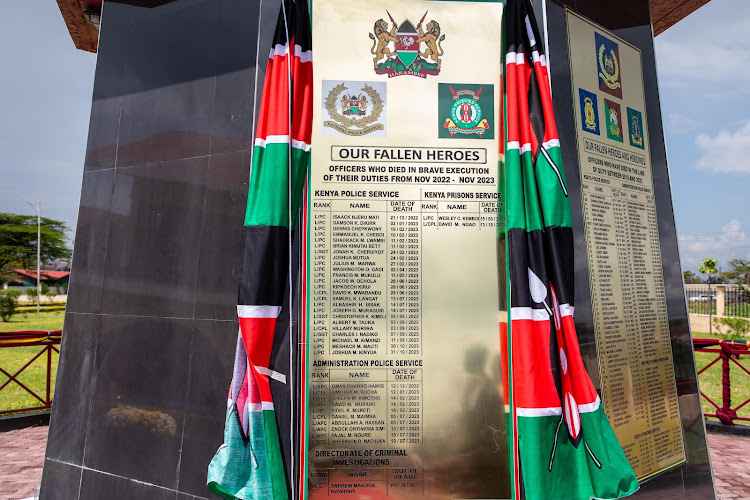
(703, 65)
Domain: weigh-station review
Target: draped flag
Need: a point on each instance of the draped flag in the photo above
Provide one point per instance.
(563, 442)
(249, 465)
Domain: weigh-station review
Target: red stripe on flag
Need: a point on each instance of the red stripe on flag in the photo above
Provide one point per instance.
(274, 108)
(533, 384)
(512, 97)
(550, 129)
(257, 335)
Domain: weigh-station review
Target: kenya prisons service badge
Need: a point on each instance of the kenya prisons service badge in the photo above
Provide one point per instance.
(466, 111)
(353, 108)
(407, 56)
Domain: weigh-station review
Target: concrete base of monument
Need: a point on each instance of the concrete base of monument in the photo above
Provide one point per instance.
(735, 430)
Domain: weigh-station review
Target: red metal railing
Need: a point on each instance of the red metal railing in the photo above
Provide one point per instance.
(47, 341)
(727, 351)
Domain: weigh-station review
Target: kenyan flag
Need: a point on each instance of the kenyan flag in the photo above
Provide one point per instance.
(563, 444)
(250, 464)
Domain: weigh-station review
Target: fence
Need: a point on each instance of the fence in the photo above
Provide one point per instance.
(719, 300)
(728, 352)
(47, 341)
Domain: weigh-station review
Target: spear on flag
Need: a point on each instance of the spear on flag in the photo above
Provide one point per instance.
(422, 20)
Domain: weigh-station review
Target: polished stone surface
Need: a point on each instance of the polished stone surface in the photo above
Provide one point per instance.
(151, 325)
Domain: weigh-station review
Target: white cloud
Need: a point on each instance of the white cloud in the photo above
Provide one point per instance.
(679, 124)
(731, 243)
(728, 151)
(703, 59)
(710, 45)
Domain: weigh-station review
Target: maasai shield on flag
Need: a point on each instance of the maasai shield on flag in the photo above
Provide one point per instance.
(563, 442)
(250, 465)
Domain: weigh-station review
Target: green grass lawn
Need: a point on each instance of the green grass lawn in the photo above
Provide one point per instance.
(13, 396)
(710, 380)
(12, 358)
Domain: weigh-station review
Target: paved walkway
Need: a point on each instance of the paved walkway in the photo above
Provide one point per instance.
(729, 458)
(22, 456)
(21, 460)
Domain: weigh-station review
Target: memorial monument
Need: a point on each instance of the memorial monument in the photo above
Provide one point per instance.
(369, 316)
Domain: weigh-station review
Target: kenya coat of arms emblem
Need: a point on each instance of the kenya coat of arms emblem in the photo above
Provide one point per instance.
(407, 58)
(608, 66)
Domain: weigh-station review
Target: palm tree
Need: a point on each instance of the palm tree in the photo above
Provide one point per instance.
(709, 267)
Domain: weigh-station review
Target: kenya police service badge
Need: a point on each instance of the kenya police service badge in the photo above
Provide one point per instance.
(407, 56)
(353, 108)
(466, 111)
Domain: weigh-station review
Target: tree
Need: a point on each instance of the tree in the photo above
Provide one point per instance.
(740, 272)
(18, 240)
(690, 278)
(709, 267)
(8, 303)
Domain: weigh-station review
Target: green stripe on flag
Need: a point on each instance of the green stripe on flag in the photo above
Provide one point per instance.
(275, 464)
(544, 202)
(575, 473)
(267, 198)
(555, 203)
(239, 470)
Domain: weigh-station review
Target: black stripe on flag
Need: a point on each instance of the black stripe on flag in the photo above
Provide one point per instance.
(265, 265)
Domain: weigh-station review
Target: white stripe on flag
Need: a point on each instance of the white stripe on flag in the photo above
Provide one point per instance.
(272, 139)
(526, 148)
(513, 145)
(265, 405)
(527, 313)
(305, 56)
(271, 373)
(300, 145)
(548, 412)
(566, 310)
(258, 311)
(538, 412)
(281, 139)
(278, 50)
(590, 407)
(281, 50)
(552, 143)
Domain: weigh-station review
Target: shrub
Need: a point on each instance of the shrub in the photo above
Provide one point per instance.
(31, 295)
(8, 302)
(732, 328)
(50, 296)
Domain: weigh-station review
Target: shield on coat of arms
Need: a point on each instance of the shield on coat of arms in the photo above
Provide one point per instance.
(407, 46)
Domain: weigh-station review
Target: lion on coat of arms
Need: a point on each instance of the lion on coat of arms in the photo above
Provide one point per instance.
(432, 39)
(380, 40)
